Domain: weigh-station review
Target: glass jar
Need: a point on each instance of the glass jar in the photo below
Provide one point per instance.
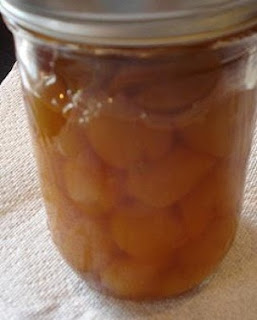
(142, 133)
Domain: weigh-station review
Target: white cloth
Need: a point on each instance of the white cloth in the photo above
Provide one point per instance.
(35, 283)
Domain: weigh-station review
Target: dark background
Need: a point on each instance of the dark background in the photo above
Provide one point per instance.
(7, 57)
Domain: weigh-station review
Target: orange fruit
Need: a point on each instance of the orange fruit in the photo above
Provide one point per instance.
(164, 182)
(84, 243)
(71, 141)
(123, 144)
(218, 131)
(147, 234)
(92, 189)
(127, 278)
(199, 258)
(161, 86)
(219, 193)
(205, 252)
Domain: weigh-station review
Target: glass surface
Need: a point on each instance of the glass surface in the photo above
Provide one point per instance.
(142, 155)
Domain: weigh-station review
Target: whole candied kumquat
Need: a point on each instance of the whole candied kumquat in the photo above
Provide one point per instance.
(164, 182)
(123, 144)
(147, 233)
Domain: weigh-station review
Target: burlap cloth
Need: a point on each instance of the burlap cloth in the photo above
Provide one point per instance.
(35, 283)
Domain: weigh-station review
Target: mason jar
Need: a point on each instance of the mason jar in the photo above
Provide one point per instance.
(141, 116)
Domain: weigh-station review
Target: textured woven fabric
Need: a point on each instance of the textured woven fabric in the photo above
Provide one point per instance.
(35, 283)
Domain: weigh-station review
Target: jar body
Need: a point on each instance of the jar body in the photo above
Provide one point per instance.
(142, 155)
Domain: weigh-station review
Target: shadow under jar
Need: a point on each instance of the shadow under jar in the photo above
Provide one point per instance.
(141, 134)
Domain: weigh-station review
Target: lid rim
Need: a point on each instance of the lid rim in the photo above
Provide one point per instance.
(169, 27)
(7, 7)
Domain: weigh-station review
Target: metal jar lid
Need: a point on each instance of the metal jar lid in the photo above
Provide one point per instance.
(132, 22)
